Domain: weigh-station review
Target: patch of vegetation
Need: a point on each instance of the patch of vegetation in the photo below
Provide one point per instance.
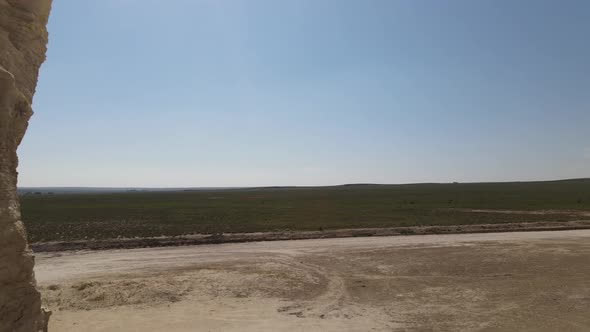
(142, 214)
(407, 231)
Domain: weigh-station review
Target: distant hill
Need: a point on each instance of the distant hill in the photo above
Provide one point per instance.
(98, 190)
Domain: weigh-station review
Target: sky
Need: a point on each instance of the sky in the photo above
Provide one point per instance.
(199, 93)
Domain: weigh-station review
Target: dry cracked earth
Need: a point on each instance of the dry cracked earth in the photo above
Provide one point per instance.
(530, 281)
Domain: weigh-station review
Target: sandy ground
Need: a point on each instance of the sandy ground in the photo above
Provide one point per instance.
(533, 281)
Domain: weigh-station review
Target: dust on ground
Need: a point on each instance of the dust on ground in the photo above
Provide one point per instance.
(532, 281)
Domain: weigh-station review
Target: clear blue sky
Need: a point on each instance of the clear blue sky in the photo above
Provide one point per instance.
(310, 92)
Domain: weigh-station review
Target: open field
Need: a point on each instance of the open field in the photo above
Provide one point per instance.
(532, 281)
(67, 217)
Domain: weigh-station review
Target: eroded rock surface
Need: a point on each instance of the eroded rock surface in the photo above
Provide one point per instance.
(23, 39)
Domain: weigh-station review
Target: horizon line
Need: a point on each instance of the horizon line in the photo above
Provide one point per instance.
(299, 186)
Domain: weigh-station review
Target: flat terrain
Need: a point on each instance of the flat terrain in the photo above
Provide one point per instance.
(70, 217)
(532, 281)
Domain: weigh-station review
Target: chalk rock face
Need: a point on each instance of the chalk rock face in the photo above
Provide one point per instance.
(23, 39)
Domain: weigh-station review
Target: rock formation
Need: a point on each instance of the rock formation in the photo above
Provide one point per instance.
(23, 39)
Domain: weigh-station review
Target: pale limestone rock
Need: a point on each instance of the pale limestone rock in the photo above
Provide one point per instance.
(23, 39)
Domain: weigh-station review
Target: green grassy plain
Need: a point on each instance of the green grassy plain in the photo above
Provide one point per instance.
(142, 214)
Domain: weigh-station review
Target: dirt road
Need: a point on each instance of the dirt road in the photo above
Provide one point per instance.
(532, 281)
